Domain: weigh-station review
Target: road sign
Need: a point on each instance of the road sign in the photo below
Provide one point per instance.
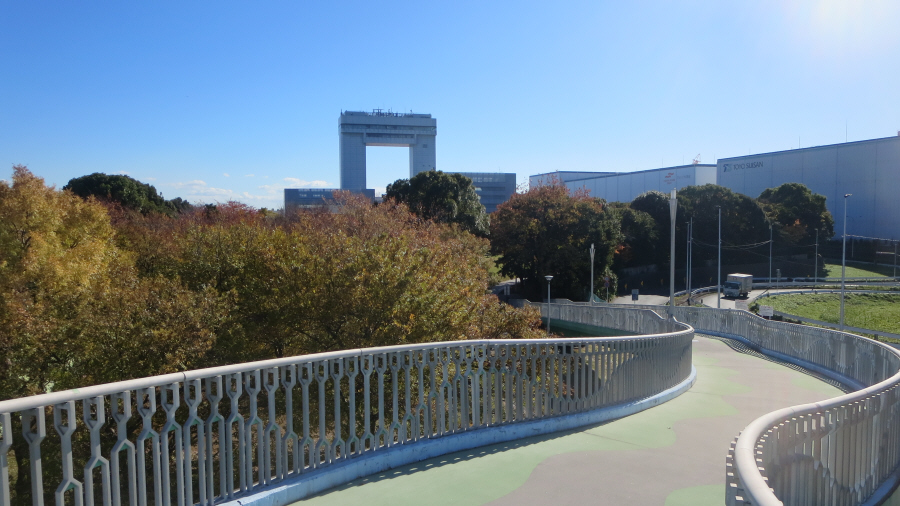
(634, 294)
(606, 281)
(741, 304)
(767, 311)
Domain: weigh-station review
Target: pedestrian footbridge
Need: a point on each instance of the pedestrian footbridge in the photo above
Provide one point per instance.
(710, 406)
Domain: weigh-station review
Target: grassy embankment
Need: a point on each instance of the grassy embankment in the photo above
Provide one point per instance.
(876, 311)
(858, 270)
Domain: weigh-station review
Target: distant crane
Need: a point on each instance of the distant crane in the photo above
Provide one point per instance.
(697, 159)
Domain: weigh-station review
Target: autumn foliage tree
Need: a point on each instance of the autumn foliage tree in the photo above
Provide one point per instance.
(319, 280)
(548, 231)
(92, 294)
(73, 310)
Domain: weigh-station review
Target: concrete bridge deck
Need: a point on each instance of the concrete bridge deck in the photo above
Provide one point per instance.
(673, 454)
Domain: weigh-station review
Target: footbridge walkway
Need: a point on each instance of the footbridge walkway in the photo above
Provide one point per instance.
(562, 420)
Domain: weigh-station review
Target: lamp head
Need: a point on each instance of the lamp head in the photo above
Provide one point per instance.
(548, 278)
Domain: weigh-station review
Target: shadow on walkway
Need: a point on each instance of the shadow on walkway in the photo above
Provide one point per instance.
(740, 347)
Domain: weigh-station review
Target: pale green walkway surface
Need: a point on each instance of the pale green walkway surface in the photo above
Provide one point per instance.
(673, 454)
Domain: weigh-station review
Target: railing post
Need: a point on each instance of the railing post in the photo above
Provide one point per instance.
(6, 431)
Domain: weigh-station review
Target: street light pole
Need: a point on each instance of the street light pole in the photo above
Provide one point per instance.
(673, 208)
(844, 260)
(719, 278)
(591, 297)
(687, 268)
(548, 278)
(770, 254)
(816, 271)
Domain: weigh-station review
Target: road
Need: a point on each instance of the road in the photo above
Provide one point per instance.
(706, 299)
(710, 299)
(656, 300)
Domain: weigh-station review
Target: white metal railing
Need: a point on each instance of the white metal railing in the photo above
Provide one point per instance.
(212, 435)
(634, 321)
(844, 450)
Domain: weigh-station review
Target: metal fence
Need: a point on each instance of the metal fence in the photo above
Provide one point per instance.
(844, 450)
(209, 436)
(634, 320)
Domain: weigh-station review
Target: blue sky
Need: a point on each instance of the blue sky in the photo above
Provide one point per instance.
(217, 101)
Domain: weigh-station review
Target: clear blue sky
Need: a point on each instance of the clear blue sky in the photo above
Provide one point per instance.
(212, 101)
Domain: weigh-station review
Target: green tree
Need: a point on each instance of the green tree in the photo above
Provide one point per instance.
(442, 197)
(548, 231)
(798, 212)
(648, 246)
(640, 236)
(125, 191)
(743, 223)
(656, 204)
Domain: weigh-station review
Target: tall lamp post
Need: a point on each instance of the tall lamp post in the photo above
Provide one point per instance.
(770, 254)
(548, 278)
(673, 207)
(719, 278)
(844, 259)
(816, 271)
(690, 235)
(591, 297)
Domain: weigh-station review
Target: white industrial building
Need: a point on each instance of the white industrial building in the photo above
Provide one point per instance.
(869, 170)
(625, 186)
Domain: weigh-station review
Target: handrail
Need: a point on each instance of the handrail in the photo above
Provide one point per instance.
(203, 437)
(838, 451)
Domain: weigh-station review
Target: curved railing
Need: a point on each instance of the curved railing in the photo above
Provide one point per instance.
(213, 435)
(844, 450)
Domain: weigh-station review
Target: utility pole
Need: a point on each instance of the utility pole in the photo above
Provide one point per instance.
(719, 278)
(816, 271)
(770, 254)
(687, 268)
(844, 260)
(673, 207)
(591, 297)
(548, 278)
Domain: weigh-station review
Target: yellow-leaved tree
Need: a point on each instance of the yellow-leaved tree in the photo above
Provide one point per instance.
(73, 311)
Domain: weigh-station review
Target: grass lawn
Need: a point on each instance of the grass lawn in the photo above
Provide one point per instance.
(875, 311)
(860, 270)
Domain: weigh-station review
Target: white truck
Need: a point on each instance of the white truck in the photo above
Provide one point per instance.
(738, 285)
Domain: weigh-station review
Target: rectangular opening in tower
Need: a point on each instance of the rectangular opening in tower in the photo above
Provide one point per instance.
(384, 165)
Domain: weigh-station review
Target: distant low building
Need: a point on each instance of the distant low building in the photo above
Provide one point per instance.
(306, 198)
(869, 170)
(625, 186)
(493, 188)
